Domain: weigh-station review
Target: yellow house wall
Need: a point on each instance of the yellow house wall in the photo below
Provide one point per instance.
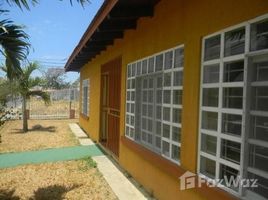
(175, 22)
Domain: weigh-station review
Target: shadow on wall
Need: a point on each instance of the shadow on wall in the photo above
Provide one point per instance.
(55, 192)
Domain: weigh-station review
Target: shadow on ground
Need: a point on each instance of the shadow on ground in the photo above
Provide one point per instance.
(55, 192)
(8, 195)
(37, 127)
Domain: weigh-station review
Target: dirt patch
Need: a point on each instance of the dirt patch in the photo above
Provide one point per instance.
(60, 180)
(42, 134)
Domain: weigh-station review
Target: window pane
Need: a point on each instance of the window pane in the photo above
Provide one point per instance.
(150, 111)
(262, 184)
(158, 128)
(144, 109)
(159, 62)
(167, 79)
(144, 136)
(209, 144)
(175, 153)
(150, 125)
(150, 138)
(176, 115)
(179, 58)
(230, 151)
(165, 148)
(212, 48)
(208, 167)
(234, 42)
(150, 83)
(229, 174)
(144, 96)
(178, 78)
(177, 97)
(209, 120)
(234, 71)
(211, 73)
(166, 114)
(144, 67)
(159, 112)
(158, 142)
(210, 97)
(133, 84)
(129, 71)
(259, 35)
(132, 133)
(260, 71)
(168, 60)
(150, 96)
(258, 157)
(132, 96)
(138, 68)
(128, 84)
(233, 98)
(144, 123)
(127, 131)
(260, 99)
(128, 107)
(159, 96)
(166, 131)
(231, 124)
(159, 81)
(145, 83)
(176, 134)
(133, 70)
(151, 65)
(128, 96)
(259, 128)
(167, 96)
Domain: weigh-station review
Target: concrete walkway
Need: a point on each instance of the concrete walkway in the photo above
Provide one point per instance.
(121, 186)
(48, 155)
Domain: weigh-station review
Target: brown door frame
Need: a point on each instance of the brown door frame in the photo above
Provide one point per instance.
(112, 114)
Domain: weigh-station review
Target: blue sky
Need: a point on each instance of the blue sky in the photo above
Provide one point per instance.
(55, 28)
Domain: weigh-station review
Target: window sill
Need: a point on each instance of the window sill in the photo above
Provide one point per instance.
(165, 165)
(83, 116)
(172, 169)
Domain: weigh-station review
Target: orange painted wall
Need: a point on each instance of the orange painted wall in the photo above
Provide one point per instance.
(175, 22)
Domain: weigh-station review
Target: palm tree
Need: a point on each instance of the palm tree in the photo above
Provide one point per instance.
(14, 45)
(25, 3)
(25, 86)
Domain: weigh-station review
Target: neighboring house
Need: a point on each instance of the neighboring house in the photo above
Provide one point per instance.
(169, 86)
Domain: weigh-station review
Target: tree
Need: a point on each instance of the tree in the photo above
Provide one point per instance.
(53, 78)
(26, 86)
(14, 46)
(14, 43)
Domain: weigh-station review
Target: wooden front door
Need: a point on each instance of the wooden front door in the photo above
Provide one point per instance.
(110, 105)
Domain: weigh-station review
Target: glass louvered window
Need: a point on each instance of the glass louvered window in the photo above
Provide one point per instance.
(233, 135)
(85, 97)
(154, 102)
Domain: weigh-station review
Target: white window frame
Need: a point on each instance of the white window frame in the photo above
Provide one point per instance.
(85, 110)
(243, 140)
(129, 115)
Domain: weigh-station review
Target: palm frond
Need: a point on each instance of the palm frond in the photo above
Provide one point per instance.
(44, 95)
(28, 70)
(14, 42)
(34, 82)
(22, 3)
